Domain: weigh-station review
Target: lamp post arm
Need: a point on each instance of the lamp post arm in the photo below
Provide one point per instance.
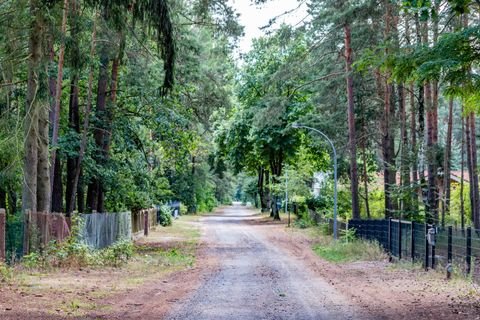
(334, 175)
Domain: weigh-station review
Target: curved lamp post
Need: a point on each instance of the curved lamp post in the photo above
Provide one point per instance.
(298, 126)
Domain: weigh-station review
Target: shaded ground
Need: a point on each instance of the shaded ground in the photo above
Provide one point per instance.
(246, 267)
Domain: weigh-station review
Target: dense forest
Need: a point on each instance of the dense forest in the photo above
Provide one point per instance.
(120, 105)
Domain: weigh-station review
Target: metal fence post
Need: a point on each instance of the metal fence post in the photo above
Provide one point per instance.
(449, 254)
(468, 258)
(426, 248)
(399, 239)
(2, 234)
(412, 242)
(390, 235)
(433, 249)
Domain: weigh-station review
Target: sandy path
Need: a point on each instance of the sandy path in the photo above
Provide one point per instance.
(251, 268)
(256, 279)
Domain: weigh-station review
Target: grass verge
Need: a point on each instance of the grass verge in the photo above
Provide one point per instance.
(356, 250)
(76, 291)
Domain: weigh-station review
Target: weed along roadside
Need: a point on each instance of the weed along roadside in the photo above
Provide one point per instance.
(69, 279)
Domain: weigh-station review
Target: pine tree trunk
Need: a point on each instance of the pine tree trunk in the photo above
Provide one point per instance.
(57, 191)
(474, 185)
(72, 161)
(77, 186)
(446, 163)
(414, 149)
(388, 146)
(431, 209)
(421, 118)
(462, 168)
(351, 124)
(36, 101)
(3, 198)
(99, 133)
(365, 180)
(468, 142)
(406, 198)
(56, 111)
(108, 127)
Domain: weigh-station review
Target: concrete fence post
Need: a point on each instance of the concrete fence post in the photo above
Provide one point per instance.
(3, 221)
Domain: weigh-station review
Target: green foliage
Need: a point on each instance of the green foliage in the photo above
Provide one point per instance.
(5, 273)
(183, 209)
(165, 216)
(73, 253)
(348, 235)
(303, 222)
(31, 260)
(455, 205)
(117, 254)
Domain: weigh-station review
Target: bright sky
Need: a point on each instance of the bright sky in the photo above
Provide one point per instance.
(254, 17)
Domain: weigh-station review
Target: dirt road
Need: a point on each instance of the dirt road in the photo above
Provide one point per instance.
(258, 279)
(247, 267)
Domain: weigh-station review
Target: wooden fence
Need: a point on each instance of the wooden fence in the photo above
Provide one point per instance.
(98, 230)
(143, 221)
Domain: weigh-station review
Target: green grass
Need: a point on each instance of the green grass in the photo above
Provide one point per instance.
(357, 250)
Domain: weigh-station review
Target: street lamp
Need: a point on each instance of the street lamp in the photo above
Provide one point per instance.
(298, 126)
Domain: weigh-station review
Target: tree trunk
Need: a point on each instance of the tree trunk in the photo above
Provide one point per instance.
(72, 161)
(474, 183)
(431, 209)
(406, 198)
(36, 101)
(351, 124)
(365, 180)
(388, 144)
(261, 189)
(3, 198)
(57, 191)
(276, 163)
(99, 132)
(58, 98)
(268, 195)
(462, 168)
(108, 128)
(421, 118)
(76, 186)
(446, 163)
(468, 141)
(414, 149)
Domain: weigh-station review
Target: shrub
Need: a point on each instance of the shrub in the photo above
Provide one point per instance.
(348, 235)
(117, 254)
(32, 260)
(183, 209)
(5, 272)
(165, 216)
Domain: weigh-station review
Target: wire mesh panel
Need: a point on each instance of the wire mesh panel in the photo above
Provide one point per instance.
(100, 230)
(14, 237)
(372, 230)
